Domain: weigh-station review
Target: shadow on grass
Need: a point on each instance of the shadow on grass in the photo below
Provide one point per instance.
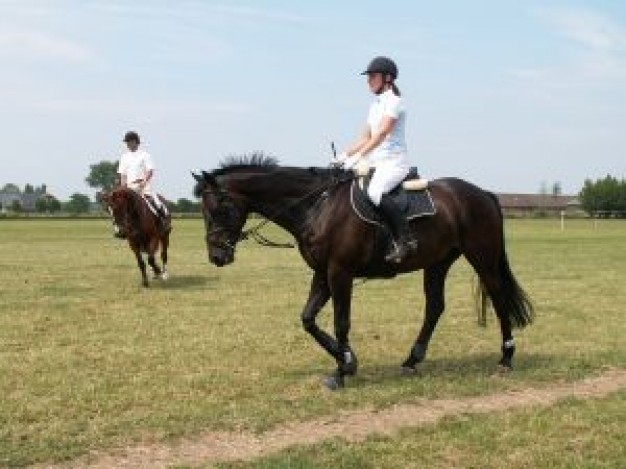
(185, 282)
(473, 367)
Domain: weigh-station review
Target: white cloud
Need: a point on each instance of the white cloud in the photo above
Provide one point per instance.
(198, 9)
(27, 44)
(260, 14)
(587, 28)
(597, 60)
(157, 108)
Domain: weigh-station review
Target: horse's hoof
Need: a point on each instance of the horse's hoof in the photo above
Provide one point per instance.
(408, 370)
(164, 276)
(333, 382)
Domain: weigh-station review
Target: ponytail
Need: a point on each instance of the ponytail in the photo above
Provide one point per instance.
(395, 89)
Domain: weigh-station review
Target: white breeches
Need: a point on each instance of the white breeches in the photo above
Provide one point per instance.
(388, 174)
(147, 190)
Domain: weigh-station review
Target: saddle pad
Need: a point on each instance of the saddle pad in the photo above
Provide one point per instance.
(413, 204)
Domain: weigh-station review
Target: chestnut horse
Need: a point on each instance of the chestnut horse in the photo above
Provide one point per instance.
(313, 205)
(141, 227)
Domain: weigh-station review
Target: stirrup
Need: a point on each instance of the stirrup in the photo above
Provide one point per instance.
(400, 250)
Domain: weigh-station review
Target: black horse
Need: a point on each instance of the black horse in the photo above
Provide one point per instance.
(313, 204)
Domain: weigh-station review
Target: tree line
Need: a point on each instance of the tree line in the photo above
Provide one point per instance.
(604, 197)
(102, 177)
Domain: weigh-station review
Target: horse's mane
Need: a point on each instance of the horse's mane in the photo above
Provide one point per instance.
(256, 159)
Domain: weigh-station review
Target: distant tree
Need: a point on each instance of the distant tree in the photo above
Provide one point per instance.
(11, 188)
(47, 205)
(186, 206)
(556, 189)
(29, 189)
(78, 203)
(102, 175)
(16, 206)
(604, 197)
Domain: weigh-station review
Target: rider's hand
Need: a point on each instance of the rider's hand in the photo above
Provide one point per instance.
(362, 167)
(351, 161)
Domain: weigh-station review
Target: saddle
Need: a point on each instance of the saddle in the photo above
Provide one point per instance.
(162, 216)
(411, 196)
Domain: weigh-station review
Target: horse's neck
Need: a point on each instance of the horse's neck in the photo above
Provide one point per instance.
(136, 204)
(288, 202)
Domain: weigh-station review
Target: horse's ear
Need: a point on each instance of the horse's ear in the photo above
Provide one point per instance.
(209, 179)
(197, 177)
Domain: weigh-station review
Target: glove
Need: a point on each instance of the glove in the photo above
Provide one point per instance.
(351, 161)
(362, 167)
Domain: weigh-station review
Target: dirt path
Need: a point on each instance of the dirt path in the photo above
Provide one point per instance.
(353, 426)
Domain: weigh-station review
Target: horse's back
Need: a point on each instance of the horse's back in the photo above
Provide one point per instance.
(463, 197)
(473, 214)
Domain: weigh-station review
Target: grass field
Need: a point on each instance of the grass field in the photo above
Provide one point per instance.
(89, 360)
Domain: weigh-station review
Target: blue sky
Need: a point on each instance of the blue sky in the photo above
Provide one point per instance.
(511, 95)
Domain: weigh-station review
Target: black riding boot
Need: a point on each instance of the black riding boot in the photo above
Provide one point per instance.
(404, 243)
(163, 220)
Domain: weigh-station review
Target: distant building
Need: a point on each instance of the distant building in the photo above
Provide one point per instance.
(525, 205)
(27, 201)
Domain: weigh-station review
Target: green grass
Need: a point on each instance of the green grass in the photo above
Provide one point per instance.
(91, 360)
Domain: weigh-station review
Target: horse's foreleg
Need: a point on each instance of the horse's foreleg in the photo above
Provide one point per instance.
(318, 297)
(153, 264)
(152, 247)
(165, 241)
(434, 281)
(340, 283)
(141, 264)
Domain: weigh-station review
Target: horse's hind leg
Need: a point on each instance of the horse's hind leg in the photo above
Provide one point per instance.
(434, 281)
(494, 286)
(508, 300)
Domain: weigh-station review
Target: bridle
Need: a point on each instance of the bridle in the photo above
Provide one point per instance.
(125, 221)
(230, 242)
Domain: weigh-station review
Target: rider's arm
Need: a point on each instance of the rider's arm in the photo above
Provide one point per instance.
(123, 180)
(386, 127)
(363, 139)
(149, 175)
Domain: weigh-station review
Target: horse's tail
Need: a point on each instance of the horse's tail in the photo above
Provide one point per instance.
(515, 302)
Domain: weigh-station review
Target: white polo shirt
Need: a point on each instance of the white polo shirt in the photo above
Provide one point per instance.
(135, 165)
(394, 145)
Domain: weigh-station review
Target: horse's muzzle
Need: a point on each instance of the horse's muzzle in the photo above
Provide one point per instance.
(221, 257)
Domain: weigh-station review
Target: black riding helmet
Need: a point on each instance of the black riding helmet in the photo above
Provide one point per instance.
(131, 136)
(383, 65)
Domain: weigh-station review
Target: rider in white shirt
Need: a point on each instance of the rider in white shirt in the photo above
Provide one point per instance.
(383, 146)
(136, 171)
